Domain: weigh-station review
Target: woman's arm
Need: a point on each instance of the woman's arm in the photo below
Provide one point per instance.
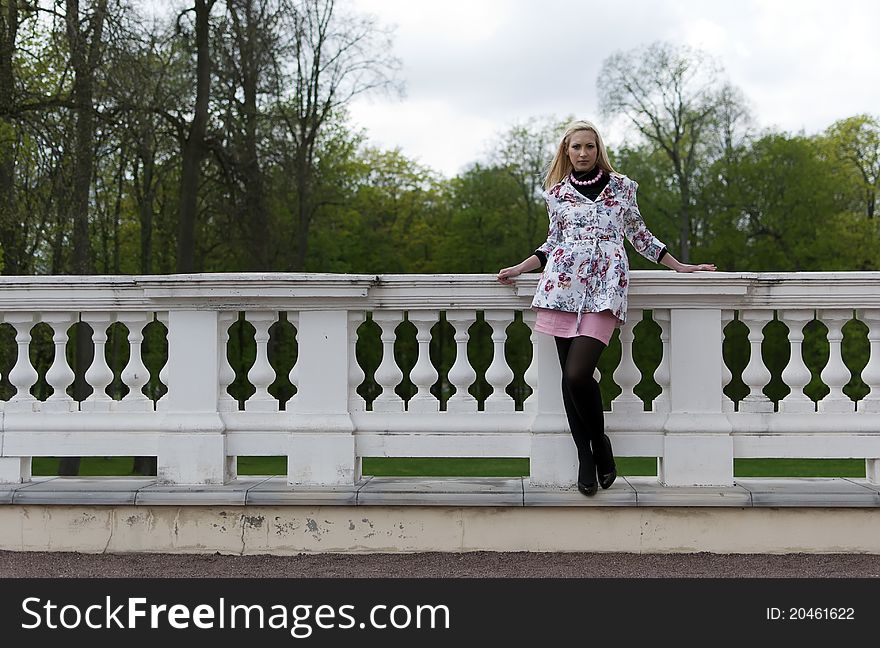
(506, 275)
(671, 262)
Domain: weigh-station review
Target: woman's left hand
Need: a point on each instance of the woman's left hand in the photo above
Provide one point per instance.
(697, 267)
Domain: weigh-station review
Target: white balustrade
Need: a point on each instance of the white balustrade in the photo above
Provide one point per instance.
(135, 374)
(727, 404)
(499, 374)
(530, 377)
(423, 374)
(261, 375)
(835, 374)
(461, 374)
(196, 429)
(60, 375)
(661, 373)
(627, 374)
(697, 442)
(98, 375)
(796, 374)
(162, 403)
(756, 375)
(355, 373)
(23, 375)
(871, 372)
(294, 374)
(388, 374)
(225, 402)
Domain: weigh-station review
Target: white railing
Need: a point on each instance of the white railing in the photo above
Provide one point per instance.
(197, 429)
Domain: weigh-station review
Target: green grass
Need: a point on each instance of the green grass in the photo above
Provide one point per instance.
(799, 467)
(479, 467)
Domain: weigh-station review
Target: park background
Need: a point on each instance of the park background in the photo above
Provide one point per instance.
(145, 138)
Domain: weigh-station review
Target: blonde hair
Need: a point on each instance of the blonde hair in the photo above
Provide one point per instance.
(560, 166)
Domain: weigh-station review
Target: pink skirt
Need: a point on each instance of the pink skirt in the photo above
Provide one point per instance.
(599, 325)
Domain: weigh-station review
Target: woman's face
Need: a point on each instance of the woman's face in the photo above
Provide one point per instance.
(583, 150)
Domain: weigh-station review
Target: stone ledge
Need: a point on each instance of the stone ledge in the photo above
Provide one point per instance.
(450, 491)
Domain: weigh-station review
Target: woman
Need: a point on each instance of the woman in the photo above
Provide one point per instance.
(582, 294)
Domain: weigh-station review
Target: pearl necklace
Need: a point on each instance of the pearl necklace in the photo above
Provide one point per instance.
(586, 183)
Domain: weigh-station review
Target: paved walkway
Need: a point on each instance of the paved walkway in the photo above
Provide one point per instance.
(440, 565)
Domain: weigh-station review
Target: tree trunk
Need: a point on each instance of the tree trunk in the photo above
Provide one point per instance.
(194, 145)
(83, 59)
(10, 242)
(254, 205)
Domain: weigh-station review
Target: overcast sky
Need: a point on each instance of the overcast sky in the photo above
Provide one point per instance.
(472, 68)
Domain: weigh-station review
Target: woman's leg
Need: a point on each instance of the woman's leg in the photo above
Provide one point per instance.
(583, 404)
(586, 465)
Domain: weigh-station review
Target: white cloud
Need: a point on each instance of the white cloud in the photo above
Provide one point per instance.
(473, 68)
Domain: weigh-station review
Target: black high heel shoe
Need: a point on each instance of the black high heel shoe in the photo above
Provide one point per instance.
(585, 484)
(607, 479)
(588, 489)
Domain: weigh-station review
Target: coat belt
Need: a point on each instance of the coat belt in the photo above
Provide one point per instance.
(592, 239)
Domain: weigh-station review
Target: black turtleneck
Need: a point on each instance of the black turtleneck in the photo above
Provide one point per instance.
(592, 192)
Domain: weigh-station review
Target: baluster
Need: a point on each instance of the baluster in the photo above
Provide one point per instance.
(499, 375)
(461, 373)
(98, 376)
(423, 374)
(355, 374)
(225, 402)
(261, 375)
(756, 375)
(661, 373)
(23, 375)
(835, 374)
(530, 377)
(871, 376)
(162, 403)
(135, 374)
(388, 374)
(59, 375)
(627, 374)
(796, 374)
(871, 372)
(727, 404)
(293, 376)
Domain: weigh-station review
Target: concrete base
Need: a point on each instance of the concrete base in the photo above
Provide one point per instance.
(284, 530)
(266, 515)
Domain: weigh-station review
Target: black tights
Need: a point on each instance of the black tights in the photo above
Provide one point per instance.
(582, 397)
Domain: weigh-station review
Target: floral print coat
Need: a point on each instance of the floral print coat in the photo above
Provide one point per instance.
(587, 268)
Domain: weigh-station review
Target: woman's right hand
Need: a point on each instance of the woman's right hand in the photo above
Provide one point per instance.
(506, 275)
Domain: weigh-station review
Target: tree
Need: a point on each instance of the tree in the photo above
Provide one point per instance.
(9, 23)
(85, 40)
(193, 139)
(524, 151)
(335, 58)
(856, 143)
(673, 98)
(248, 70)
